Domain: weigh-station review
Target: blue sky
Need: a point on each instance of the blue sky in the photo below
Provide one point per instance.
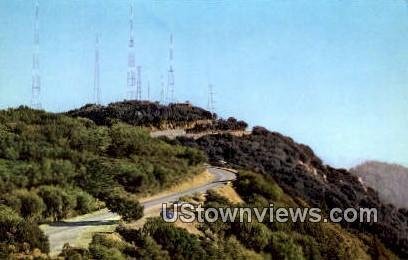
(331, 74)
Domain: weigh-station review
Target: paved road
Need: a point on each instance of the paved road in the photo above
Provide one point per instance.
(70, 230)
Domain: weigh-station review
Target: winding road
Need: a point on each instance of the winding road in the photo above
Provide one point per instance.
(70, 230)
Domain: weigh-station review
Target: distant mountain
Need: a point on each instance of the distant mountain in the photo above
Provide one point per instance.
(390, 180)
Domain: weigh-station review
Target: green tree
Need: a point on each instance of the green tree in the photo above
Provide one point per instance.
(177, 241)
(254, 235)
(59, 203)
(282, 246)
(16, 231)
(85, 203)
(31, 205)
(123, 204)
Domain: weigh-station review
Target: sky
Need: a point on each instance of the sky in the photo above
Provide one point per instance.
(330, 74)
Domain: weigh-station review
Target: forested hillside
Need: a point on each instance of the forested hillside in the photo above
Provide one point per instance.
(144, 113)
(302, 175)
(234, 240)
(54, 166)
(156, 116)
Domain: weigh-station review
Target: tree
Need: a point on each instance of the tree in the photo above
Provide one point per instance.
(31, 205)
(16, 231)
(254, 235)
(9, 221)
(177, 241)
(193, 156)
(146, 246)
(59, 203)
(282, 246)
(124, 205)
(85, 203)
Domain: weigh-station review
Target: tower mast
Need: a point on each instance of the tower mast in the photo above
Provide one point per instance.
(97, 88)
(148, 90)
(131, 73)
(170, 79)
(162, 91)
(36, 79)
(139, 83)
(210, 104)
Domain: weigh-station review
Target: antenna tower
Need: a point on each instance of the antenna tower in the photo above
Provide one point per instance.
(162, 91)
(97, 88)
(139, 83)
(170, 79)
(148, 90)
(210, 104)
(131, 73)
(36, 79)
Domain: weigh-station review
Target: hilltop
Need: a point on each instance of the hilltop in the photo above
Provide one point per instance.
(72, 163)
(53, 166)
(156, 116)
(145, 113)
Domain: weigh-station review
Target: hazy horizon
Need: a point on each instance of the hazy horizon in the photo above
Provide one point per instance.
(332, 75)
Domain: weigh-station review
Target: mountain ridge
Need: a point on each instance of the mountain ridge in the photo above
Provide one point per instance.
(389, 179)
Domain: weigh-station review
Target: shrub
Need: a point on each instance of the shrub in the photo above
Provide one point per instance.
(31, 206)
(59, 204)
(85, 203)
(254, 235)
(15, 230)
(9, 221)
(124, 205)
(146, 246)
(177, 241)
(282, 246)
(104, 253)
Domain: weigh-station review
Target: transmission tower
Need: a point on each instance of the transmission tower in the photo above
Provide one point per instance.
(210, 104)
(148, 90)
(97, 88)
(139, 83)
(36, 79)
(170, 78)
(131, 73)
(162, 91)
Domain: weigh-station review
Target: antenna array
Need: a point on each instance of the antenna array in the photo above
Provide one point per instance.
(97, 87)
(170, 77)
(36, 79)
(210, 104)
(131, 73)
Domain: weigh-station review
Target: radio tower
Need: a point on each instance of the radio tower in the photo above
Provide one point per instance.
(210, 104)
(97, 88)
(36, 79)
(139, 83)
(148, 90)
(170, 79)
(131, 73)
(162, 91)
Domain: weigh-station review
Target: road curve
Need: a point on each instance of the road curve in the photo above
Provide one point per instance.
(70, 230)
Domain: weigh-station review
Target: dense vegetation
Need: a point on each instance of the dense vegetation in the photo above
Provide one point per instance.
(53, 166)
(155, 115)
(231, 124)
(144, 113)
(56, 166)
(302, 175)
(217, 240)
